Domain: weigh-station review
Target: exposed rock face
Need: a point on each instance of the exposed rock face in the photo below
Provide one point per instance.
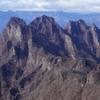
(85, 38)
(42, 61)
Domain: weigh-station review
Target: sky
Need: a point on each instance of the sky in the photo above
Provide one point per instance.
(78, 6)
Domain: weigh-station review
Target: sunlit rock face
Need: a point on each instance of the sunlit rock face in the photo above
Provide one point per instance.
(42, 61)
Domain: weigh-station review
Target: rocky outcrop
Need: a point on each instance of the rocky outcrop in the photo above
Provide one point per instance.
(42, 61)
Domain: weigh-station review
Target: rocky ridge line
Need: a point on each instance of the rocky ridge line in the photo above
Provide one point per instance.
(43, 61)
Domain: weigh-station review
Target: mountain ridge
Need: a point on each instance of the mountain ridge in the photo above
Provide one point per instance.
(43, 61)
(61, 17)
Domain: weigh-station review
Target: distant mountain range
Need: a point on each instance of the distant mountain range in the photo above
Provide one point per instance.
(61, 17)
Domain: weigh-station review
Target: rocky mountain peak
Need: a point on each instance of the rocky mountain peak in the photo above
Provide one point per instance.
(82, 23)
(45, 24)
(15, 20)
(42, 20)
(94, 27)
(73, 27)
(15, 28)
(76, 27)
(76, 23)
(45, 18)
(47, 27)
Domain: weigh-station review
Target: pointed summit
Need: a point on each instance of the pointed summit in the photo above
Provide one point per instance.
(43, 20)
(82, 23)
(76, 27)
(47, 33)
(73, 27)
(15, 20)
(15, 28)
(94, 27)
(47, 26)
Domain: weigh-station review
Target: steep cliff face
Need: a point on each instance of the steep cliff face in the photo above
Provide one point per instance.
(86, 38)
(42, 61)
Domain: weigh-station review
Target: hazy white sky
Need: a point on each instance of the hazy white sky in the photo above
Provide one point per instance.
(82, 6)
